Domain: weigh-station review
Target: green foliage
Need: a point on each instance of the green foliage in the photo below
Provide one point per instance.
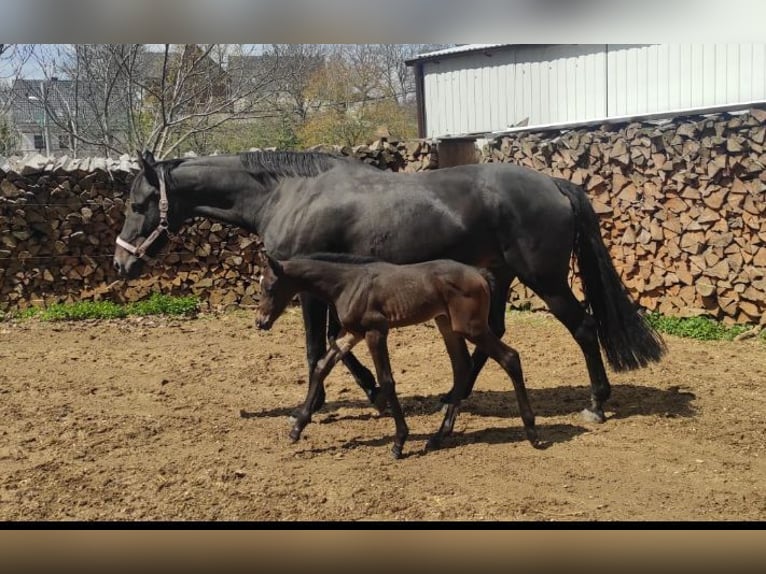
(156, 304)
(702, 328)
(9, 137)
(236, 137)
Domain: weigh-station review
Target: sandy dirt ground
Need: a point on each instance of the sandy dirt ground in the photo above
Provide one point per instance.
(166, 419)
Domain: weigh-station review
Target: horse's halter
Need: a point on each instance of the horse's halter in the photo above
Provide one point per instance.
(162, 227)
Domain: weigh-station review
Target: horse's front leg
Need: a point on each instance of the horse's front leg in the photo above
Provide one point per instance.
(460, 359)
(362, 375)
(315, 324)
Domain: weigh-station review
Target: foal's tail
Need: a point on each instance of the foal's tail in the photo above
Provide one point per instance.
(627, 339)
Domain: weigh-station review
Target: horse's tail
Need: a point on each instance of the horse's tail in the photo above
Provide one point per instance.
(627, 339)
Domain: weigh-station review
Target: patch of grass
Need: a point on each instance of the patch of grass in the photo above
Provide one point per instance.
(702, 328)
(156, 304)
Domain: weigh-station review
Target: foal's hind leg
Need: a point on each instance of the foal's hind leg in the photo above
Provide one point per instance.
(498, 303)
(376, 342)
(339, 348)
(461, 371)
(563, 304)
(508, 358)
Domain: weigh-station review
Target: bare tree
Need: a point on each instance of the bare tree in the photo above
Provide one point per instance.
(13, 57)
(298, 63)
(122, 97)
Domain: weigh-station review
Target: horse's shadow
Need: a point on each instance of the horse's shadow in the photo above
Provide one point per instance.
(626, 401)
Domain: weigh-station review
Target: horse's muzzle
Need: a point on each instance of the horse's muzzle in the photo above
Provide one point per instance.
(127, 266)
(263, 323)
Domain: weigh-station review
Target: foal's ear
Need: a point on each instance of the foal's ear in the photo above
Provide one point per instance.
(276, 267)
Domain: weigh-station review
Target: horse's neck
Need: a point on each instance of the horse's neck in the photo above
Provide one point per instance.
(324, 279)
(224, 194)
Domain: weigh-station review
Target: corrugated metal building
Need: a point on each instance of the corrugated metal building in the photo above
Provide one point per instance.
(477, 89)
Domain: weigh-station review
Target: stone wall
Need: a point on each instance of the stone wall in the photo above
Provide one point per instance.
(59, 219)
(682, 204)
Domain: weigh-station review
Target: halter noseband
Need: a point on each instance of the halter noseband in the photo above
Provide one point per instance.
(162, 227)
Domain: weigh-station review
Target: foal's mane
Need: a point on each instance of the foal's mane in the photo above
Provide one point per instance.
(289, 163)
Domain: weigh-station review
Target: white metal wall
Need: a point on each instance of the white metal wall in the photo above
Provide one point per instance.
(499, 88)
(665, 77)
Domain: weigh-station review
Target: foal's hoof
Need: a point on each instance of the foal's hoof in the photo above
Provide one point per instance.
(396, 452)
(593, 415)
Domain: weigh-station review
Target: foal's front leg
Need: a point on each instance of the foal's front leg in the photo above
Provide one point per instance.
(315, 322)
(376, 342)
(337, 349)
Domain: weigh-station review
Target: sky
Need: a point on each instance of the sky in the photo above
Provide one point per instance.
(389, 21)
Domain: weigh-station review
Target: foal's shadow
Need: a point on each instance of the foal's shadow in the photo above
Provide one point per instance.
(550, 435)
(626, 401)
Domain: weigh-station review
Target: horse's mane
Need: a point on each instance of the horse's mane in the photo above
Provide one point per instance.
(338, 258)
(289, 163)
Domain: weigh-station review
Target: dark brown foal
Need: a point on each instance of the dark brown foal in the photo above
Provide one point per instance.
(370, 297)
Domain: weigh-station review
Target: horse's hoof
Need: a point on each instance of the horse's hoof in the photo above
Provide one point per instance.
(593, 416)
(295, 434)
(396, 452)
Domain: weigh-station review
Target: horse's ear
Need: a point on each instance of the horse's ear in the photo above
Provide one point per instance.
(148, 157)
(149, 165)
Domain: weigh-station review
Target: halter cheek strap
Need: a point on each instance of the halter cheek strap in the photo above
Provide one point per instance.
(162, 227)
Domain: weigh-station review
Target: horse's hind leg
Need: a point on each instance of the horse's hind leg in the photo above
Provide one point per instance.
(563, 304)
(376, 342)
(461, 371)
(508, 358)
(362, 375)
(498, 302)
(339, 348)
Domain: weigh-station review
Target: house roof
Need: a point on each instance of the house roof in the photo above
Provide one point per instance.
(26, 103)
(455, 50)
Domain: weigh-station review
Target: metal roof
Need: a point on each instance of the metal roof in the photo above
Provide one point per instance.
(456, 50)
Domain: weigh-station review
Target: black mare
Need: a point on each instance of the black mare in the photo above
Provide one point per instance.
(514, 221)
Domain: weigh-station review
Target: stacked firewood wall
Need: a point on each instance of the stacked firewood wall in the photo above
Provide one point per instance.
(682, 205)
(59, 219)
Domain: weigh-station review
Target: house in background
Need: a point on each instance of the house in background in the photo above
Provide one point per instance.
(480, 91)
(27, 109)
(46, 113)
